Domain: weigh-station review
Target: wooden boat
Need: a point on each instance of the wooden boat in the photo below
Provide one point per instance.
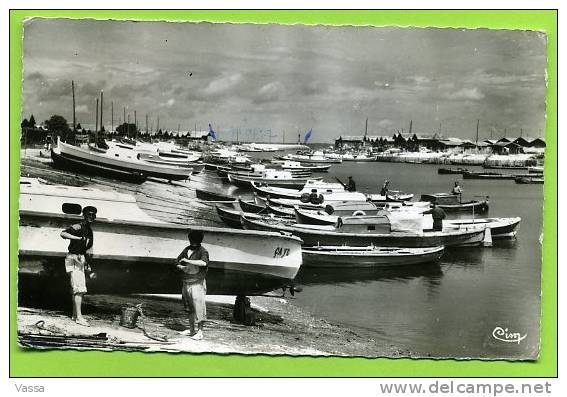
(535, 170)
(207, 195)
(271, 178)
(77, 165)
(499, 227)
(312, 159)
(122, 160)
(330, 215)
(358, 157)
(295, 165)
(353, 198)
(355, 232)
(232, 217)
(451, 203)
(523, 180)
(252, 207)
(457, 170)
(319, 186)
(486, 175)
(341, 256)
(392, 196)
(134, 253)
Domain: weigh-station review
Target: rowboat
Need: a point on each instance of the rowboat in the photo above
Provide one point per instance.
(528, 180)
(353, 198)
(358, 157)
(135, 253)
(319, 186)
(315, 158)
(341, 256)
(451, 203)
(355, 232)
(271, 178)
(295, 165)
(391, 196)
(499, 227)
(486, 175)
(207, 195)
(320, 217)
(122, 160)
(232, 217)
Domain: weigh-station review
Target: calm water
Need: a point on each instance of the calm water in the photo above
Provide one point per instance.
(448, 309)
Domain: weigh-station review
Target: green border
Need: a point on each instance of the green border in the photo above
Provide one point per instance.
(88, 364)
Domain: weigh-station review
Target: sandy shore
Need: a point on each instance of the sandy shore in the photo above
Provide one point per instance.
(280, 328)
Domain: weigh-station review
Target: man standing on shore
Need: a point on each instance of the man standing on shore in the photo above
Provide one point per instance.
(80, 246)
(193, 263)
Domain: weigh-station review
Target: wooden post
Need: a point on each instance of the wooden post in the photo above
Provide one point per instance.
(96, 116)
(157, 129)
(477, 123)
(136, 124)
(101, 123)
(410, 126)
(147, 132)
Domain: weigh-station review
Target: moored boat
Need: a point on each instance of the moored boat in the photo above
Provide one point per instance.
(486, 175)
(352, 231)
(342, 256)
(134, 253)
(451, 203)
(232, 217)
(523, 180)
(311, 186)
(458, 170)
(499, 227)
(271, 178)
(207, 195)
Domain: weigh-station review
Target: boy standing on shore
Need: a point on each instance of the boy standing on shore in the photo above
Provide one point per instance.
(193, 263)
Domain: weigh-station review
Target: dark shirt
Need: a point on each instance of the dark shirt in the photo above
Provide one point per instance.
(195, 253)
(436, 213)
(84, 231)
(351, 186)
(384, 191)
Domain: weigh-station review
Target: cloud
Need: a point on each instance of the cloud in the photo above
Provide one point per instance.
(269, 92)
(467, 94)
(223, 84)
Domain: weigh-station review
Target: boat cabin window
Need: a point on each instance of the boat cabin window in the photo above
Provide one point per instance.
(371, 227)
(71, 208)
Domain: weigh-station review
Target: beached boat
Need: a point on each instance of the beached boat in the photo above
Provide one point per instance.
(523, 180)
(232, 216)
(122, 160)
(269, 177)
(135, 253)
(341, 256)
(353, 198)
(78, 165)
(207, 195)
(451, 203)
(361, 232)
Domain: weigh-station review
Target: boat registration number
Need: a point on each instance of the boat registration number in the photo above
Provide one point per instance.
(280, 252)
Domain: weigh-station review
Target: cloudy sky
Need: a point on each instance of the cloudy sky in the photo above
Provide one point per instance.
(267, 79)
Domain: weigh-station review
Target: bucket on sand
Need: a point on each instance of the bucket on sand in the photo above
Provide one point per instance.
(129, 316)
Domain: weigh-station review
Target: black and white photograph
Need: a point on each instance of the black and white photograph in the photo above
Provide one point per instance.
(302, 190)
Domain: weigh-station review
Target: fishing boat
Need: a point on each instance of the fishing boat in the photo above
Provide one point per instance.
(523, 180)
(207, 195)
(392, 196)
(313, 158)
(499, 227)
(135, 253)
(269, 177)
(360, 232)
(78, 165)
(258, 169)
(322, 200)
(342, 256)
(457, 170)
(252, 207)
(358, 157)
(296, 165)
(324, 217)
(311, 186)
(486, 175)
(122, 160)
(451, 203)
(232, 216)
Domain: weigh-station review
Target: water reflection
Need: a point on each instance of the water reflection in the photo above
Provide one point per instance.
(336, 276)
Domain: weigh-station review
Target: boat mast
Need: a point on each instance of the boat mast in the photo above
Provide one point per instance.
(147, 132)
(101, 99)
(136, 124)
(477, 123)
(112, 116)
(73, 90)
(96, 122)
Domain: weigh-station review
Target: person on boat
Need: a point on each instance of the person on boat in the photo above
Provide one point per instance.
(438, 215)
(193, 262)
(351, 185)
(76, 264)
(457, 189)
(385, 189)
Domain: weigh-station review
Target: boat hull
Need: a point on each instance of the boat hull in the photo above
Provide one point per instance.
(133, 257)
(315, 237)
(212, 196)
(77, 165)
(378, 257)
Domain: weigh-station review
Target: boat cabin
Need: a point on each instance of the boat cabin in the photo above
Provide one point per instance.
(351, 208)
(367, 224)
